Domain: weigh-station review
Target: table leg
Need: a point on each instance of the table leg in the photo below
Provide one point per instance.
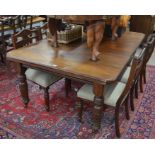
(98, 106)
(23, 84)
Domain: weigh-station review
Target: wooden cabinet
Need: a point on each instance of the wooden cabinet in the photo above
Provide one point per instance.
(142, 23)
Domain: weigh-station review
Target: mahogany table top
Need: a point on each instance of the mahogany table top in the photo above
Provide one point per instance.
(73, 60)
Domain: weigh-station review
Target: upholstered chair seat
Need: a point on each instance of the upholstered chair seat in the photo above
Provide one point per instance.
(115, 94)
(40, 77)
(126, 74)
(28, 37)
(111, 94)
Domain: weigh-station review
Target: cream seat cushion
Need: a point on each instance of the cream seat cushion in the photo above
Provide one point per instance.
(126, 74)
(41, 78)
(111, 93)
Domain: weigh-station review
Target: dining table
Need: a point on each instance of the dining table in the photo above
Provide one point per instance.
(72, 61)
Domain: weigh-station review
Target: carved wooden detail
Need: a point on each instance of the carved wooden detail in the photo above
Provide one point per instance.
(23, 84)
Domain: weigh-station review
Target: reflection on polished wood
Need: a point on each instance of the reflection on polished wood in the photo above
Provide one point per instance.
(74, 58)
(72, 61)
(94, 28)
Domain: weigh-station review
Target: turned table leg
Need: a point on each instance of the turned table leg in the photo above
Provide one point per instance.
(23, 84)
(98, 106)
(67, 86)
(46, 98)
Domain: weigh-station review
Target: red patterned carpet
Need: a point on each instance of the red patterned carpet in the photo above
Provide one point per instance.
(61, 121)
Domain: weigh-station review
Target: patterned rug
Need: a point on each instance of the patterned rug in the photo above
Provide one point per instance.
(62, 121)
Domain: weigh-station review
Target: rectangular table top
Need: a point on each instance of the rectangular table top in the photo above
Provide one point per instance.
(73, 60)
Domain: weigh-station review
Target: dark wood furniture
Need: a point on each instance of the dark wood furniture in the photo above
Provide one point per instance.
(3, 45)
(137, 79)
(5, 39)
(20, 22)
(115, 94)
(26, 37)
(43, 79)
(142, 23)
(150, 41)
(73, 62)
(10, 25)
(28, 21)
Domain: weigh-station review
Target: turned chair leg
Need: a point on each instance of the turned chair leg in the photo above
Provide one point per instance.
(144, 74)
(136, 89)
(141, 83)
(131, 99)
(79, 105)
(67, 86)
(126, 108)
(2, 60)
(46, 98)
(117, 123)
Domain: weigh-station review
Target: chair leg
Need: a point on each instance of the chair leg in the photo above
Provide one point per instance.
(79, 105)
(126, 108)
(2, 59)
(67, 86)
(46, 98)
(141, 83)
(105, 107)
(131, 99)
(117, 123)
(144, 74)
(136, 89)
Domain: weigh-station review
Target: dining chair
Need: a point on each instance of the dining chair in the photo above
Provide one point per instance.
(43, 79)
(20, 22)
(115, 94)
(2, 43)
(137, 80)
(5, 39)
(44, 30)
(149, 45)
(150, 49)
(30, 21)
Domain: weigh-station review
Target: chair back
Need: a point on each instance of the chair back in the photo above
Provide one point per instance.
(30, 20)
(136, 68)
(6, 31)
(15, 23)
(26, 37)
(27, 21)
(151, 44)
(24, 21)
(3, 36)
(2, 40)
(20, 22)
